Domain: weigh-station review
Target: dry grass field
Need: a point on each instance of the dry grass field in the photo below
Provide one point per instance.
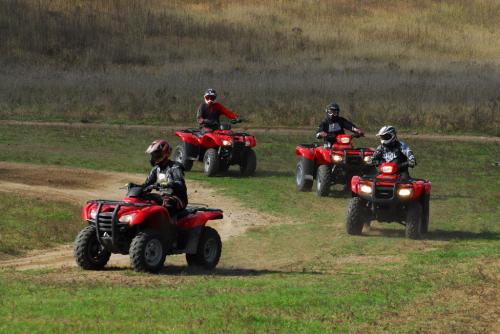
(422, 65)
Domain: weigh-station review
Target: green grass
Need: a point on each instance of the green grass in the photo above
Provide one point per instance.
(29, 223)
(306, 277)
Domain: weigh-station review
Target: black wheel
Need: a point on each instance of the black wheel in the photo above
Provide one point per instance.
(89, 253)
(209, 250)
(301, 182)
(147, 252)
(425, 218)
(223, 166)
(181, 157)
(414, 220)
(323, 180)
(249, 163)
(357, 216)
(210, 162)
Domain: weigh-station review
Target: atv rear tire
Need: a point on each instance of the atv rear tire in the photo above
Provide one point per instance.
(425, 218)
(209, 250)
(211, 162)
(301, 182)
(357, 216)
(414, 220)
(89, 253)
(323, 180)
(249, 163)
(147, 252)
(180, 156)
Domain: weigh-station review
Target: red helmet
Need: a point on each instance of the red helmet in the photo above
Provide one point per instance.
(159, 150)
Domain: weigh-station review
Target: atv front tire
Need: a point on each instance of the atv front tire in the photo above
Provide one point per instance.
(180, 156)
(147, 252)
(357, 216)
(89, 253)
(209, 250)
(323, 180)
(249, 163)
(211, 162)
(301, 181)
(414, 220)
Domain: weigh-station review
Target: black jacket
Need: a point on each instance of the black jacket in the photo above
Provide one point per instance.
(334, 127)
(171, 175)
(397, 152)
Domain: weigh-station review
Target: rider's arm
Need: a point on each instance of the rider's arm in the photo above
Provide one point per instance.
(322, 130)
(176, 182)
(151, 178)
(350, 126)
(226, 112)
(377, 156)
(199, 114)
(405, 149)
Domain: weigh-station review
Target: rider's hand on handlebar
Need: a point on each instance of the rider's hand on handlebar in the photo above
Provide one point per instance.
(322, 134)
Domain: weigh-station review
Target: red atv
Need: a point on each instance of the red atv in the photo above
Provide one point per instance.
(218, 150)
(386, 198)
(141, 227)
(330, 165)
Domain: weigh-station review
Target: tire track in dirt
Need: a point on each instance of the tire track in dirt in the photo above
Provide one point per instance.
(76, 186)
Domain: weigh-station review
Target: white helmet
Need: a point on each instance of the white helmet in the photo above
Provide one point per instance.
(387, 134)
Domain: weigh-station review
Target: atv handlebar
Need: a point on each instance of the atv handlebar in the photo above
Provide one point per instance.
(236, 121)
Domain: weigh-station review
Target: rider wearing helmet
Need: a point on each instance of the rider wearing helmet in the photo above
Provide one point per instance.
(169, 175)
(209, 111)
(393, 150)
(334, 125)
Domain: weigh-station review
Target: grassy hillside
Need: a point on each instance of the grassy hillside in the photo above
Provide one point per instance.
(417, 64)
(306, 277)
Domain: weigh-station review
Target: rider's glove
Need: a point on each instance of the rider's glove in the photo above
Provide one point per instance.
(360, 132)
(411, 163)
(321, 134)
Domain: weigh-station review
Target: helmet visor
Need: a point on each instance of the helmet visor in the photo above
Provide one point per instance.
(156, 156)
(386, 136)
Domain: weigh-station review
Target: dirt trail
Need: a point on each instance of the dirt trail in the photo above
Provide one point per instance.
(76, 186)
(255, 130)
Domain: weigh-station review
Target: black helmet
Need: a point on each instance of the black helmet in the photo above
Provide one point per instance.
(387, 134)
(210, 95)
(332, 110)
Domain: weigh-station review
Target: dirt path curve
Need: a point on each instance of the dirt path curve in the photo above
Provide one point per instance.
(255, 130)
(76, 186)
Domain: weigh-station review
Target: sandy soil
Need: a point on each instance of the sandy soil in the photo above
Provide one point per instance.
(76, 186)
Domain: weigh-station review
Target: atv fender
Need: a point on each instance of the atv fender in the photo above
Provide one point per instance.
(211, 140)
(188, 138)
(305, 152)
(155, 216)
(323, 156)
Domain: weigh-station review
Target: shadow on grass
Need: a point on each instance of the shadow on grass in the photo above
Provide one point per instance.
(441, 235)
(226, 272)
(461, 235)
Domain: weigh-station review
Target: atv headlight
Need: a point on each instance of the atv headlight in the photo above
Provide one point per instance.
(226, 143)
(337, 158)
(127, 218)
(405, 192)
(366, 159)
(365, 189)
(93, 214)
(248, 143)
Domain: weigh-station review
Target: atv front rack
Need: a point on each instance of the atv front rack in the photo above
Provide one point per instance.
(108, 224)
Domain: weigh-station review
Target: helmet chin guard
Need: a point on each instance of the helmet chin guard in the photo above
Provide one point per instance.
(387, 134)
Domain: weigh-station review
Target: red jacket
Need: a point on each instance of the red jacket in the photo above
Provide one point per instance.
(208, 114)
